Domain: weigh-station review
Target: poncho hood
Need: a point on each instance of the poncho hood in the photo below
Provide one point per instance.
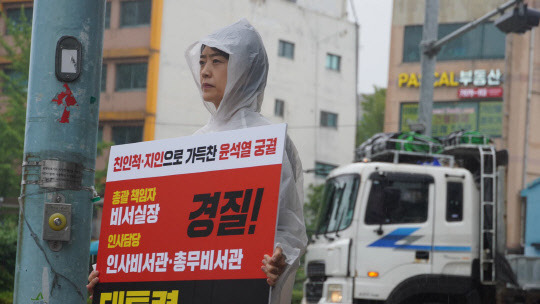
(246, 75)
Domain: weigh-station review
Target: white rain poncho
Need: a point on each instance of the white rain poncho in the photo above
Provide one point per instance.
(246, 79)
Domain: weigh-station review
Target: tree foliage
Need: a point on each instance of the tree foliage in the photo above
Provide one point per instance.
(101, 175)
(373, 118)
(312, 206)
(8, 250)
(13, 93)
(311, 211)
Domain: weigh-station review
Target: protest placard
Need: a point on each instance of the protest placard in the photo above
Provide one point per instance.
(188, 220)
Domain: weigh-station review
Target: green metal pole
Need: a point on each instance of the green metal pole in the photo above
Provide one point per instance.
(59, 152)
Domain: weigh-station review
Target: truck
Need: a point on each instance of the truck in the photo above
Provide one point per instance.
(415, 220)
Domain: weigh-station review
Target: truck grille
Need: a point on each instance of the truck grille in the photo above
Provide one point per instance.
(315, 269)
(314, 291)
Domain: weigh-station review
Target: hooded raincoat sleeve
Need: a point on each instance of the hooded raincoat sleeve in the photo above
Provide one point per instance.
(246, 80)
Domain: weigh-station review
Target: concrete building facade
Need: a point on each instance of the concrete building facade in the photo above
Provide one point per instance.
(482, 84)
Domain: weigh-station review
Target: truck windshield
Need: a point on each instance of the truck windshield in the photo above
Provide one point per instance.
(338, 205)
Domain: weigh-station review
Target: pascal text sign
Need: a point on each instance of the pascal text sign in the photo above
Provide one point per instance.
(188, 220)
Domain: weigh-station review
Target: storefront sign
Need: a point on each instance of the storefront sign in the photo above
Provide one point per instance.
(477, 78)
(188, 220)
(495, 92)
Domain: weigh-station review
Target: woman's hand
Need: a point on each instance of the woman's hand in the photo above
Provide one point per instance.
(274, 266)
(92, 281)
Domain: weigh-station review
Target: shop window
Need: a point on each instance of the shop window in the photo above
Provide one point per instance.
(484, 116)
(286, 49)
(131, 76)
(135, 13)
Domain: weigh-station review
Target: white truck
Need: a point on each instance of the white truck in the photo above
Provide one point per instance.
(391, 230)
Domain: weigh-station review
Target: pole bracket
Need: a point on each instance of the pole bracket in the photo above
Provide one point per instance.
(428, 47)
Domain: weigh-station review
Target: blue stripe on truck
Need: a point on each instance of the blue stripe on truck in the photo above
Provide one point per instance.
(390, 241)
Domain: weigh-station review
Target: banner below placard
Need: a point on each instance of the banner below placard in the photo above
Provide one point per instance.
(188, 220)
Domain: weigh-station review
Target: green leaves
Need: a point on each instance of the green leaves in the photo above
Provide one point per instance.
(373, 115)
(8, 250)
(101, 175)
(315, 196)
(13, 94)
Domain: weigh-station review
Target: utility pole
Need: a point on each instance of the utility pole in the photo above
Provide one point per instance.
(59, 151)
(430, 47)
(428, 60)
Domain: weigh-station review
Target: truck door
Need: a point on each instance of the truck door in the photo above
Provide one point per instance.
(395, 232)
(454, 226)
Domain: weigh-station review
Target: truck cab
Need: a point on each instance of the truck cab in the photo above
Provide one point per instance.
(398, 232)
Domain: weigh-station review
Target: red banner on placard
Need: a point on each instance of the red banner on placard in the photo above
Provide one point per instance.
(212, 222)
(490, 92)
(202, 226)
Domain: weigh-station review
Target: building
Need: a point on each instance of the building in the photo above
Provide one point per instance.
(482, 83)
(128, 65)
(311, 81)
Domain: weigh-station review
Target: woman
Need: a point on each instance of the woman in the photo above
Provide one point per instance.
(230, 68)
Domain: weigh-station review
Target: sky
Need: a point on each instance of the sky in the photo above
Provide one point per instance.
(375, 19)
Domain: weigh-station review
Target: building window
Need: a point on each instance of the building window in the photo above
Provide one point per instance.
(286, 49)
(18, 16)
(103, 78)
(131, 76)
(135, 13)
(333, 62)
(127, 134)
(100, 134)
(483, 42)
(279, 108)
(16, 79)
(323, 169)
(108, 15)
(454, 202)
(329, 119)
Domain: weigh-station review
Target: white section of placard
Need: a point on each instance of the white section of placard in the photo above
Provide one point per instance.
(242, 148)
